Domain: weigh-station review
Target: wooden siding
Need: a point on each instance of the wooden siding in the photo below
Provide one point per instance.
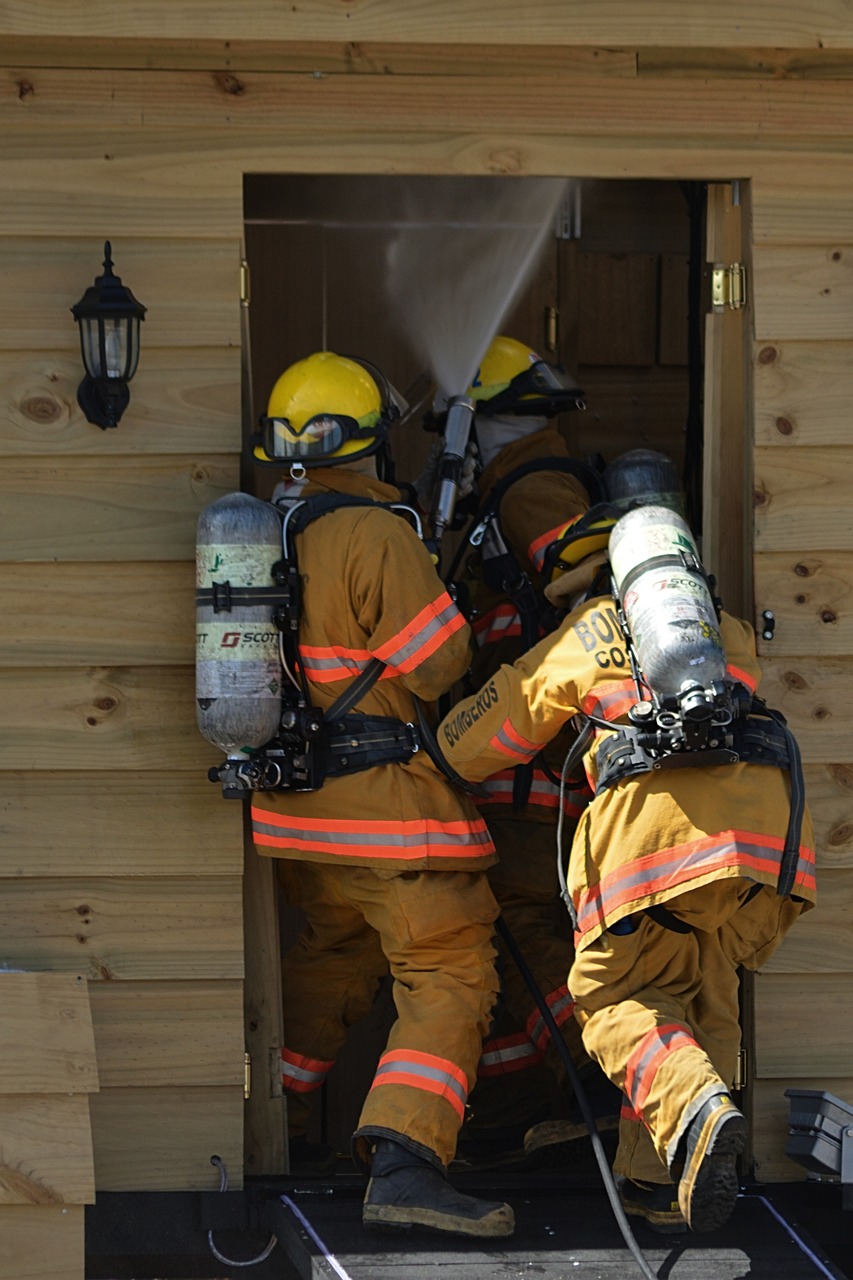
(137, 124)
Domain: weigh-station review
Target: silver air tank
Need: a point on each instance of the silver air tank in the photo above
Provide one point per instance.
(668, 606)
(238, 667)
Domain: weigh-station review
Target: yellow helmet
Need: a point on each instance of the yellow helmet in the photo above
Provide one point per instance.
(512, 378)
(323, 410)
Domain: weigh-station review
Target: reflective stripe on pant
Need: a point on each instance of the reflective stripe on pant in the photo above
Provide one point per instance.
(433, 929)
(659, 1011)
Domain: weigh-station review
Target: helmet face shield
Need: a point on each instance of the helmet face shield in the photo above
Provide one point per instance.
(541, 388)
(320, 436)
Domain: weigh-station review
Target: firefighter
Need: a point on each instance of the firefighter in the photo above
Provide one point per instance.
(536, 494)
(674, 876)
(390, 862)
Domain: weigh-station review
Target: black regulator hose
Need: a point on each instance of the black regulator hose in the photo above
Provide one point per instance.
(580, 1094)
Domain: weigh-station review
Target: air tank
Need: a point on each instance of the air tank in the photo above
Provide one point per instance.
(666, 600)
(238, 665)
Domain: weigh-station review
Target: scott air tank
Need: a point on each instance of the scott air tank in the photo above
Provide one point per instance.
(666, 601)
(238, 668)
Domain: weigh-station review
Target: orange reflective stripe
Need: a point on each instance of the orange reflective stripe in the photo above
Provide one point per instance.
(419, 1070)
(420, 638)
(511, 743)
(543, 793)
(324, 663)
(743, 676)
(301, 1074)
(538, 547)
(503, 620)
(645, 1062)
(610, 699)
(628, 1113)
(507, 1054)
(638, 879)
(562, 1008)
(364, 838)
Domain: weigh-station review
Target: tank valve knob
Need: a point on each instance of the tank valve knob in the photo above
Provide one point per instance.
(768, 619)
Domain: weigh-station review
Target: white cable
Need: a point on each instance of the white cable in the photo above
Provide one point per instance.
(230, 1262)
(330, 1257)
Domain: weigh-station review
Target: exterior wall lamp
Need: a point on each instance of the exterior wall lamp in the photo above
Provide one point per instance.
(108, 316)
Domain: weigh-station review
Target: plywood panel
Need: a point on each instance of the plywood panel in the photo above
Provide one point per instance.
(154, 823)
(829, 791)
(811, 596)
(127, 928)
(793, 1014)
(803, 393)
(803, 291)
(163, 1139)
(42, 1242)
(822, 940)
(816, 695)
(770, 1124)
(608, 22)
(69, 615)
(92, 509)
(619, 326)
(46, 1155)
(190, 287)
(629, 409)
(168, 1033)
(804, 499)
(181, 402)
(123, 718)
(46, 1041)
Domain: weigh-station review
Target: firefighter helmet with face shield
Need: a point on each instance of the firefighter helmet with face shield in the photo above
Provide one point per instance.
(513, 379)
(326, 410)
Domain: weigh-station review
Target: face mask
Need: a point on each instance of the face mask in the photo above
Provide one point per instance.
(494, 434)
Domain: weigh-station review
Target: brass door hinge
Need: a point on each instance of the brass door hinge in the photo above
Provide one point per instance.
(741, 1079)
(245, 283)
(552, 324)
(247, 1076)
(728, 286)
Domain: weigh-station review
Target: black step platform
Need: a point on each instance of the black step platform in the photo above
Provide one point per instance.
(569, 1236)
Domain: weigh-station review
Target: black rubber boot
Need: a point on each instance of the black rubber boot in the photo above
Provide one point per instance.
(407, 1191)
(706, 1163)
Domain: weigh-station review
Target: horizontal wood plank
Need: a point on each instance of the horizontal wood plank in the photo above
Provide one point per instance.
(815, 212)
(42, 1242)
(816, 695)
(803, 499)
(181, 400)
(822, 940)
(88, 614)
(803, 291)
(750, 64)
(46, 1039)
(124, 928)
(71, 824)
(46, 1155)
(151, 1034)
(608, 22)
(102, 719)
(794, 1013)
(190, 287)
(811, 598)
(93, 509)
(350, 57)
(70, 100)
(163, 1139)
(803, 392)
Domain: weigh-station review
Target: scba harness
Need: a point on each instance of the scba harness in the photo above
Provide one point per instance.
(311, 744)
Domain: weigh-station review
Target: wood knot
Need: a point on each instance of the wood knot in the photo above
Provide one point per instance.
(821, 713)
(105, 703)
(760, 496)
(767, 355)
(840, 836)
(226, 82)
(828, 615)
(784, 426)
(801, 599)
(509, 161)
(41, 409)
(803, 570)
(26, 89)
(793, 680)
(83, 910)
(841, 775)
(837, 255)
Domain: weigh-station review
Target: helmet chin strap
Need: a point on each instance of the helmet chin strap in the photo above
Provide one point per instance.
(494, 434)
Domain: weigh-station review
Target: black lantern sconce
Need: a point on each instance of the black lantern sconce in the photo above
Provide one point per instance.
(108, 316)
